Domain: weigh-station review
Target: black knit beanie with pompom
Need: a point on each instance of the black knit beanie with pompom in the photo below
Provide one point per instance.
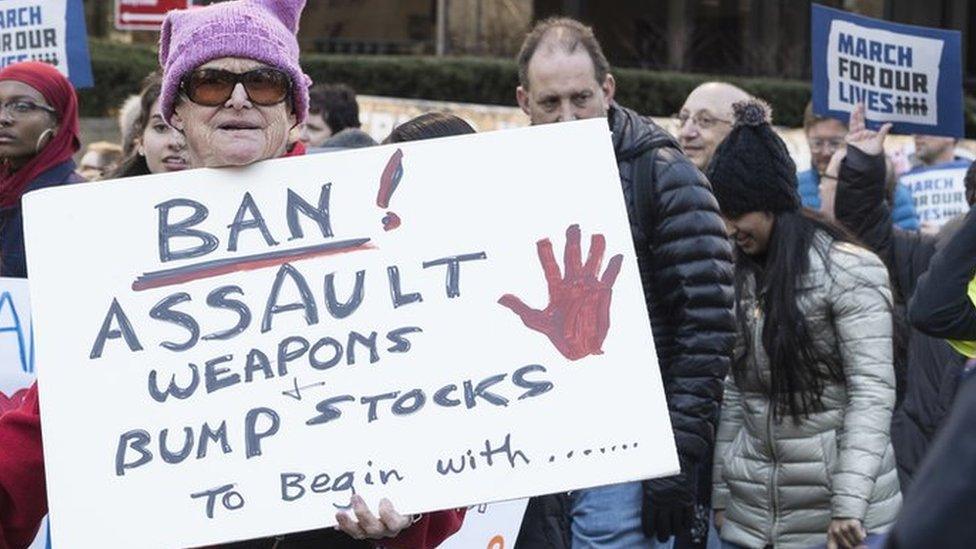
(751, 170)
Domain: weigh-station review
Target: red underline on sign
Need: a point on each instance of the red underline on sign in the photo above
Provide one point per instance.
(217, 267)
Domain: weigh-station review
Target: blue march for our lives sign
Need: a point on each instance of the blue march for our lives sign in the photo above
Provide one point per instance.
(939, 191)
(910, 76)
(50, 31)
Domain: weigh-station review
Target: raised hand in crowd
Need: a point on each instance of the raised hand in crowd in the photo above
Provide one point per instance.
(828, 183)
(867, 141)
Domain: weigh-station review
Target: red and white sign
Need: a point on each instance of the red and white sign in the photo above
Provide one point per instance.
(145, 14)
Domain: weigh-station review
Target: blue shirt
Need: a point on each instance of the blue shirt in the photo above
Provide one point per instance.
(902, 212)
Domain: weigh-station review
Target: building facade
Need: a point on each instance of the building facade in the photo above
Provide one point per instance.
(472, 27)
(744, 37)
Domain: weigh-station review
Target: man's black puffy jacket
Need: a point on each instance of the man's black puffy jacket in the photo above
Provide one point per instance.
(927, 369)
(685, 261)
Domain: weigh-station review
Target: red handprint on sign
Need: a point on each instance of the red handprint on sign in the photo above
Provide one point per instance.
(578, 315)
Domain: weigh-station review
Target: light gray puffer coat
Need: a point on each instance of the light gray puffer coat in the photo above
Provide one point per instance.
(780, 483)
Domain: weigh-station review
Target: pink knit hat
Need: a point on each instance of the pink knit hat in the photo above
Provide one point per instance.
(262, 30)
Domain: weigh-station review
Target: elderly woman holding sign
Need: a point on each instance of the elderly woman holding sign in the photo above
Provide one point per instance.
(233, 87)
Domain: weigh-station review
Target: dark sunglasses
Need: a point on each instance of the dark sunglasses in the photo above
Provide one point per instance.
(213, 87)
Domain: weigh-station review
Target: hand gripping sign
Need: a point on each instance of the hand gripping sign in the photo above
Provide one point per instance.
(230, 354)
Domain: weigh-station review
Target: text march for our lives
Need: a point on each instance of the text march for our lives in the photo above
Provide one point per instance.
(939, 191)
(48, 31)
(907, 75)
(233, 353)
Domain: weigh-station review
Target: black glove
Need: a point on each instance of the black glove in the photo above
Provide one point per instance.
(668, 507)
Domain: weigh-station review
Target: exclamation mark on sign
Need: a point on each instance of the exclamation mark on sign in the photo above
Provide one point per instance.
(389, 181)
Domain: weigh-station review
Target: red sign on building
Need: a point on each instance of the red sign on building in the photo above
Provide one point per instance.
(145, 14)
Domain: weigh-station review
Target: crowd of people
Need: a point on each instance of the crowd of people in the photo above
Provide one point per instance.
(815, 338)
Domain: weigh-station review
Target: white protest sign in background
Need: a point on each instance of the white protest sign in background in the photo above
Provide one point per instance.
(32, 30)
(313, 353)
(17, 355)
(895, 75)
(47, 31)
(939, 193)
(16, 345)
(489, 526)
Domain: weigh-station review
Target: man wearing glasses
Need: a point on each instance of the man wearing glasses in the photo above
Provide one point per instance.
(826, 136)
(706, 119)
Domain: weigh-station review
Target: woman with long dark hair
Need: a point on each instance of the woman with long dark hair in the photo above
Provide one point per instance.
(803, 454)
(38, 136)
(429, 125)
(158, 147)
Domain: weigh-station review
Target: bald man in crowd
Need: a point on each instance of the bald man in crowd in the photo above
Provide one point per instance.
(706, 118)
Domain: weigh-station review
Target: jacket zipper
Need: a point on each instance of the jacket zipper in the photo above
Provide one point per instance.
(774, 494)
(771, 446)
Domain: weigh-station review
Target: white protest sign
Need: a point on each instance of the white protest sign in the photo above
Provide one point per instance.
(16, 355)
(32, 30)
(48, 31)
(16, 344)
(231, 354)
(904, 74)
(939, 193)
(895, 75)
(489, 526)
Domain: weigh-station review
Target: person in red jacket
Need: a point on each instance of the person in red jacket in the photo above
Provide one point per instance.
(233, 86)
(23, 497)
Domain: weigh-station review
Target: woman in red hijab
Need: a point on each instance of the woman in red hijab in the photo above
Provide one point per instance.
(38, 136)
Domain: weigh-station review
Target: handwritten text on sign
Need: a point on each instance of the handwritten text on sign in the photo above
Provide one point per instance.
(16, 342)
(239, 351)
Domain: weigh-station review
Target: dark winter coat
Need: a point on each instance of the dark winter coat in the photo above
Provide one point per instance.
(686, 269)
(13, 262)
(938, 510)
(927, 369)
(943, 305)
(685, 261)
